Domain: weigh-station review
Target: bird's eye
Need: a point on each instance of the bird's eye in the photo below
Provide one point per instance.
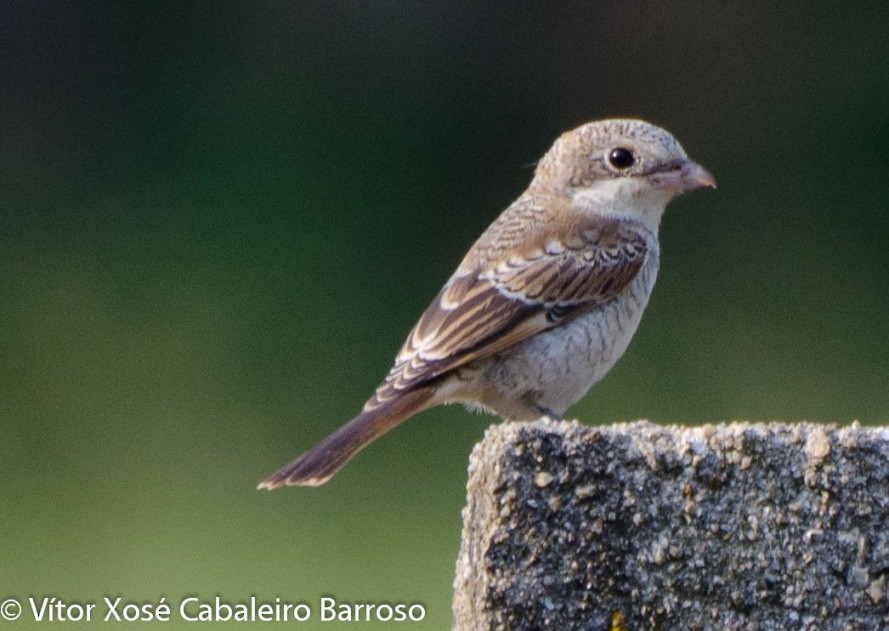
(621, 158)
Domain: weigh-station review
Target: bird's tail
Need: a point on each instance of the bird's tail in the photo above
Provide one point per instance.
(317, 465)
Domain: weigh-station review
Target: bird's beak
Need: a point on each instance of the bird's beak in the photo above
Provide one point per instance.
(685, 176)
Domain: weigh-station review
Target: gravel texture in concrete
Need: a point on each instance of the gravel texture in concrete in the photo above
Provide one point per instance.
(743, 526)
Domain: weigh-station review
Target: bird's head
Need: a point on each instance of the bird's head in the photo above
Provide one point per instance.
(620, 167)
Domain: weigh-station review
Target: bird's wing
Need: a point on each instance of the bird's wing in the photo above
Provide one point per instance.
(485, 309)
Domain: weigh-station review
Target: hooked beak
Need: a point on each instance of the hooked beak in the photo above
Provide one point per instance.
(684, 176)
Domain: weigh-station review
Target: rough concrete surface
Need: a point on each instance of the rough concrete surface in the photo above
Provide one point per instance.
(742, 526)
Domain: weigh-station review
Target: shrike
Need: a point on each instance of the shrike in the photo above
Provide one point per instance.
(544, 303)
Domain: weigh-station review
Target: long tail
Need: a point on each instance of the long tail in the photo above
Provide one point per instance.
(317, 465)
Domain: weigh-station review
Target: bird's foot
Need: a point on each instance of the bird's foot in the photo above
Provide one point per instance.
(548, 414)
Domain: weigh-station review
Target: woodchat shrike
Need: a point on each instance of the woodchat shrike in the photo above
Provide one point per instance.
(544, 303)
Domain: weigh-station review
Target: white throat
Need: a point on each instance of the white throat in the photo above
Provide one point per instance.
(624, 199)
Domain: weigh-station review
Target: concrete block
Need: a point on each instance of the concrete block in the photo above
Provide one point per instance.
(741, 526)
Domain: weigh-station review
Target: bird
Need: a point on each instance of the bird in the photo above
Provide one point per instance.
(544, 302)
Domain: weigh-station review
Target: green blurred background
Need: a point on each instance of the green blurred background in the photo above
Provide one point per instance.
(218, 221)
